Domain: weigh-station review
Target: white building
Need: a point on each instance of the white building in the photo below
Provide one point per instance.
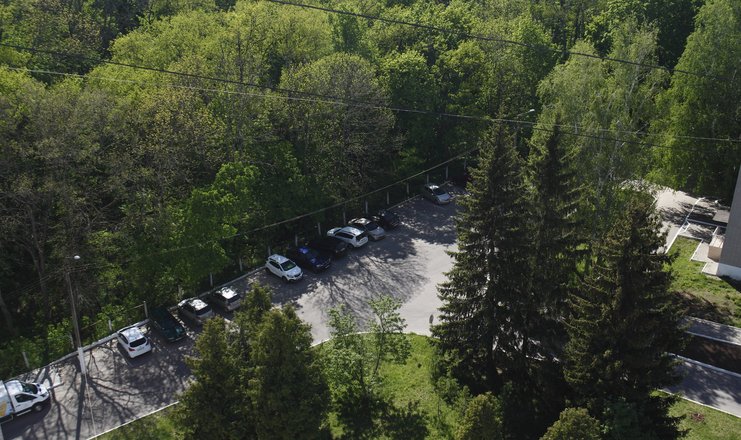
(730, 253)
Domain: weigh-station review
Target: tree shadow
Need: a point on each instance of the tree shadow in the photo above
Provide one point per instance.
(702, 308)
(378, 417)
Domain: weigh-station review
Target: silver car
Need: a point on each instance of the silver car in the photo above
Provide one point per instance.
(436, 194)
(374, 230)
(226, 298)
(195, 310)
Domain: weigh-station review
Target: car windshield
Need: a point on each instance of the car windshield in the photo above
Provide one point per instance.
(233, 299)
(288, 265)
(29, 388)
(362, 236)
(138, 342)
(204, 311)
(438, 191)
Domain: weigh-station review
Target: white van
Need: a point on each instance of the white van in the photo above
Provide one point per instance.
(17, 397)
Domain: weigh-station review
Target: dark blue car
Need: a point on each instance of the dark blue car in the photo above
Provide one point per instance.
(309, 258)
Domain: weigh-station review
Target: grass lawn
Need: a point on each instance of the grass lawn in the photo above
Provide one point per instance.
(705, 297)
(158, 426)
(410, 383)
(706, 423)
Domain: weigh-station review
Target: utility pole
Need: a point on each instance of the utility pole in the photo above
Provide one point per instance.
(75, 325)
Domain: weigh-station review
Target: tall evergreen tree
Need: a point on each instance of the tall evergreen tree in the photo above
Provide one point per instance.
(212, 408)
(556, 206)
(481, 321)
(288, 389)
(624, 324)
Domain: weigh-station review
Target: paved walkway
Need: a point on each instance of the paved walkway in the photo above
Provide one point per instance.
(709, 386)
(713, 330)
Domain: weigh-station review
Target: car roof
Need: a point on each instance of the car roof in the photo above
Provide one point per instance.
(226, 292)
(280, 259)
(196, 303)
(351, 230)
(431, 186)
(360, 221)
(132, 333)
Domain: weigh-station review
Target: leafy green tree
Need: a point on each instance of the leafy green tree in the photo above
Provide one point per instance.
(288, 389)
(341, 147)
(486, 299)
(352, 361)
(482, 419)
(705, 105)
(574, 424)
(606, 106)
(625, 323)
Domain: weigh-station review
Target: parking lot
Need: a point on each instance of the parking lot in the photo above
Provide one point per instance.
(407, 265)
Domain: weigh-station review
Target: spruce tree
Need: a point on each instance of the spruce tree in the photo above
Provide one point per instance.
(481, 320)
(557, 202)
(624, 324)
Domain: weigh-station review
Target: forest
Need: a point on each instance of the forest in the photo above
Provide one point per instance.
(168, 142)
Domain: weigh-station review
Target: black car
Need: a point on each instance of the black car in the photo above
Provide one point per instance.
(309, 258)
(387, 219)
(333, 246)
(163, 321)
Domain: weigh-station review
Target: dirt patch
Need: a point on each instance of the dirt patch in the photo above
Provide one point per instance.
(719, 354)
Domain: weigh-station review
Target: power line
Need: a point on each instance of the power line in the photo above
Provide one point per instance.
(497, 40)
(328, 99)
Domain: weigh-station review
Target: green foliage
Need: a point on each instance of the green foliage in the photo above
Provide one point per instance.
(625, 323)
(482, 419)
(256, 378)
(603, 102)
(352, 364)
(486, 296)
(574, 424)
(705, 106)
(287, 388)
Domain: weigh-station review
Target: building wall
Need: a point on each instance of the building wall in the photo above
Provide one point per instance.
(730, 258)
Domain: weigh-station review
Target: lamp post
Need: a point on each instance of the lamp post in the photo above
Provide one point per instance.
(73, 307)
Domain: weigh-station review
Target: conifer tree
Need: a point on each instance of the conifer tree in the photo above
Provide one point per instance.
(624, 324)
(557, 239)
(488, 288)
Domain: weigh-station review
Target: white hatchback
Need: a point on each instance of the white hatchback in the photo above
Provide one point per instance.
(284, 268)
(350, 235)
(133, 342)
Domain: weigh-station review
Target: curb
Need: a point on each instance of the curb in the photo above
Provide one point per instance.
(712, 367)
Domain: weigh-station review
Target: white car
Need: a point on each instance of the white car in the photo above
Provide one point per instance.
(133, 342)
(352, 236)
(284, 268)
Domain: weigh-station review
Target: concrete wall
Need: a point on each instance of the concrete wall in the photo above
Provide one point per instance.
(731, 255)
(725, 270)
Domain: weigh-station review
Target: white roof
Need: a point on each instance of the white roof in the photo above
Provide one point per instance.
(132, 333)
(226, 292)
(280, 259)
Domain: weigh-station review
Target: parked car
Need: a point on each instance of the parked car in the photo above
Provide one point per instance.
(350, 235)
(284, 268)
(195, 310)
(387, 219)
(166, 324)
(436, 194)
(334, 246)
(226, 298)
(133, 342)
(374, 231)
(18, 397)
(309, 258)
